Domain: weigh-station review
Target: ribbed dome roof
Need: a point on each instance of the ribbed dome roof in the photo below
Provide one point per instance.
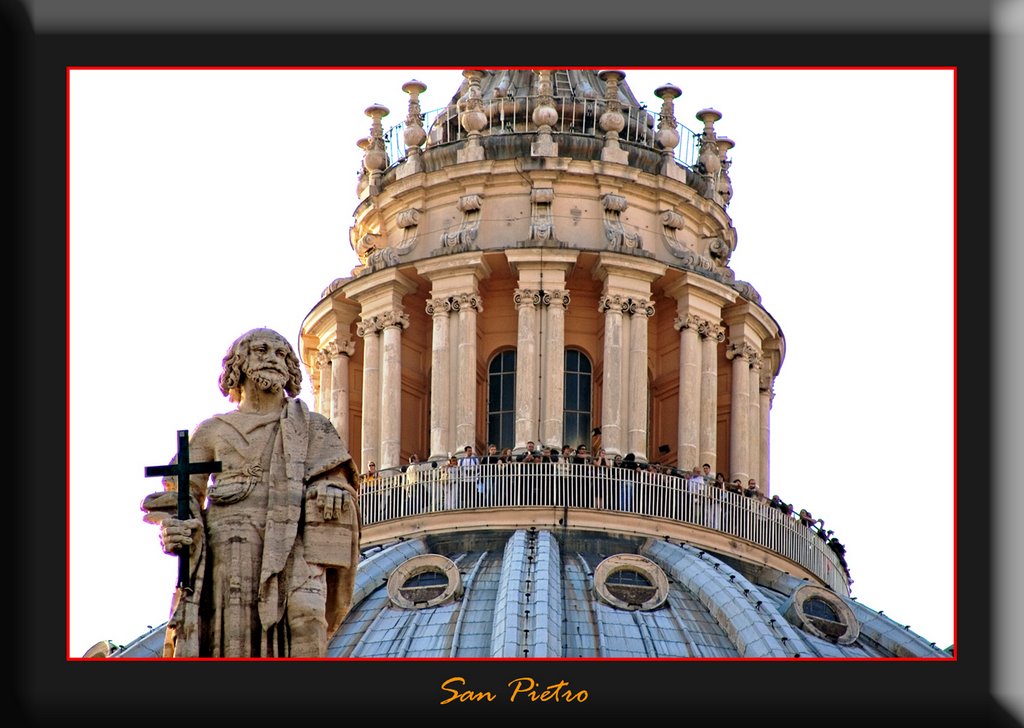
(544, 593)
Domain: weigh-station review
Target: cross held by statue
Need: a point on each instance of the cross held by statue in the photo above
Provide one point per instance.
(183, 468)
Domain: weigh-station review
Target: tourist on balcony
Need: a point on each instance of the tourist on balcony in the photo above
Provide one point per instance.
(709, 478)
(602, 484)
(505, 477)
(733, 502)
(568, 493)
(371, 493)
(839, 550)
(411, 487)
(490, 461)
(582, 478)
(715, 491)
(820, 530)
(779, 505)
(627, 480)
(540, 478)
(472, 480)
(450, 483)
(694, 495)
(531, 454)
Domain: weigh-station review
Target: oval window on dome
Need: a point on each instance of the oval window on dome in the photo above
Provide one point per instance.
(823, 614)
(424, 581)
(628, 581)
(820, 609)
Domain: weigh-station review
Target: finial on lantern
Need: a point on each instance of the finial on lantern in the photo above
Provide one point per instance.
(545, 116)
(668, 135)
(472, 117)
(375, 156)
(612, 121)
(413, 134)
(724, 187)
(709, 117)
(710, 160)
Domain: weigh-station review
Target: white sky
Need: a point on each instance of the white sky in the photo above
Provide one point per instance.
(204, 203)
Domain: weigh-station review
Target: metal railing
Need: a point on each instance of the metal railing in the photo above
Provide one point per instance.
(424, 490)
(575, 116)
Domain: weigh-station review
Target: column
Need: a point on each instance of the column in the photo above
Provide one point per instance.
(340, 350)
(711, 336)
(369, 330)
(468, 306)
(739, 426)
(611, 384)
(323, 398)
(555, 302)
(754, 418)
(526, 300)
(392, 323)
(454, 305)
(440, 399)
(767, 395)
(640, 310)
(690, 363)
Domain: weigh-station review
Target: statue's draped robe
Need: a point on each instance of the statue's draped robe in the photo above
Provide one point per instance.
(253, 556)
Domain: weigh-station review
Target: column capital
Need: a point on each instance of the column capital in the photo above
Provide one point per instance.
(767, 382)
(743, 351)
(323, 358)
(641, 307)
(387, 319)
(689, 321)
(341, 347)
(467, 302)
(614, 302)
(369, 326)
(394, 318)
(626, 304)
(526, 298)
(710, 330)
(439, 306)
(556, 297)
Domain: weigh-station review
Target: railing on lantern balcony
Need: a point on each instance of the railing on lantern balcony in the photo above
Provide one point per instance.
(397, 495)
(575, 116)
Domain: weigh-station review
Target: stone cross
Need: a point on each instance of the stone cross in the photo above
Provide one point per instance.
(183, 469)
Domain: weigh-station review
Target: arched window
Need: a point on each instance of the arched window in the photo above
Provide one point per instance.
(578, 385)
(501, 400)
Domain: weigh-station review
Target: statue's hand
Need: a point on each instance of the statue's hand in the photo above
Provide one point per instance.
(175, 534)
(331, 500)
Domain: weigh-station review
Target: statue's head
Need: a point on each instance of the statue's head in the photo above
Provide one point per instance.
(241, 364)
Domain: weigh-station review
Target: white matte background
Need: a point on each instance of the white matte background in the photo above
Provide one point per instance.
(204, 203)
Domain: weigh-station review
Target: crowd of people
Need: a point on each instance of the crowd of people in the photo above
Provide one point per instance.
(463, 482)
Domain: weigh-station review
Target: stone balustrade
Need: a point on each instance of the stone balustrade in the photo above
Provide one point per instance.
(578, 496)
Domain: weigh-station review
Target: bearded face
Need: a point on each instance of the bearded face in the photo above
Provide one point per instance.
(266, 365)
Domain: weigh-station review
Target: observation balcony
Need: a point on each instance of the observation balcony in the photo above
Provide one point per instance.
(576, 117)
(565, 496)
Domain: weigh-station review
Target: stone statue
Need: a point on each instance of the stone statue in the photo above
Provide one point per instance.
(274, 536)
